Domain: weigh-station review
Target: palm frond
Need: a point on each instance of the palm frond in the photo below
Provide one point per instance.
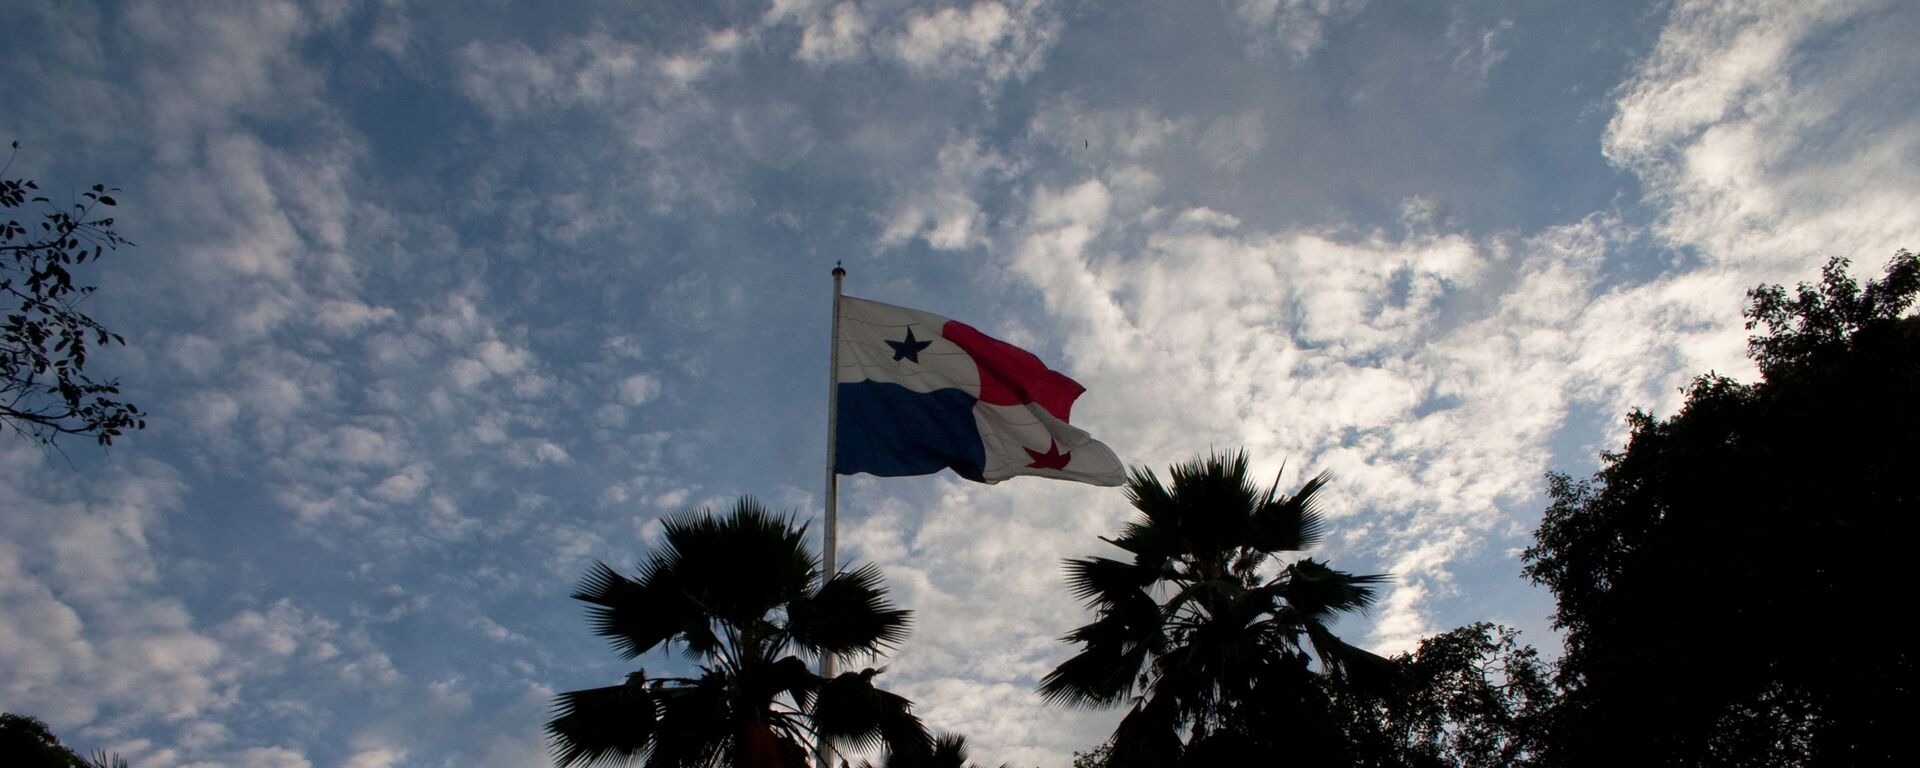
(1294, 524)
(741, 566)
(949, 751)
(1314, 590)
(1136, 620)
(607, 725)
(1148, 737)
(1100, 676)
(699, 724)
(1151, 548)
(1358, 667)
(1212, 499)
(1207, 596)
(852, 712)
(849, 616)
(603, 585)
(636, 615)
(1101, 582)
(102, 759)
(789, 676)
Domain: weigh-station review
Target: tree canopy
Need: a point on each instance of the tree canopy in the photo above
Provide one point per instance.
(1723, 582)
(28, 743)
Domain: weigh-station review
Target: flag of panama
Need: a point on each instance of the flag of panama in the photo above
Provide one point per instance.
(919, 393)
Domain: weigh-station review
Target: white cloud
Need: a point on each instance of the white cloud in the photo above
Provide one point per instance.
(838, 36)
(942, 212)
(1480, 51)
(1298, 25)
(988, 40)
(83, 626)
(376, 757)
(1357, 356)
(271, 757)
(638, 389)
(688, 67)
(492, 630)
(1762, 131)
(218, 59)
(348, 317)
(1231, 141)
(351, 445)
(403, 486)
(196, 356)
(510, 79)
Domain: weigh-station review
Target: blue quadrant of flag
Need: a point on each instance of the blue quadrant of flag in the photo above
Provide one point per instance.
(891, 431)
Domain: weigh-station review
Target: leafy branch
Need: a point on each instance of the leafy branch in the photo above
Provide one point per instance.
(45, 390)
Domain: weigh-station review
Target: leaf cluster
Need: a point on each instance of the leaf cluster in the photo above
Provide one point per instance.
(45, 336)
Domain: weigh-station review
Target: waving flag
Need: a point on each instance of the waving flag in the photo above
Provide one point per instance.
(919, 393)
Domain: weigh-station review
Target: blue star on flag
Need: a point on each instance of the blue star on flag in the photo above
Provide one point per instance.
(909, 349)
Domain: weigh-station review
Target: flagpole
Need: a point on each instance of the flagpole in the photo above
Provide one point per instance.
(831, 539)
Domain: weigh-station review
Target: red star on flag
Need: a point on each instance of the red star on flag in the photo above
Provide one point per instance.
(1052, 459)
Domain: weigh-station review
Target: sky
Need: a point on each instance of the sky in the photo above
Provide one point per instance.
(435, 304)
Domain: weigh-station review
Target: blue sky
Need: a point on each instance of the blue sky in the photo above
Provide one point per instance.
(437, 303)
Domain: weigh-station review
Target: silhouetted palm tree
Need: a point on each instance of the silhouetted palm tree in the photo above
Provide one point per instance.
(1205, 631)
(741, 594)
(949, 750)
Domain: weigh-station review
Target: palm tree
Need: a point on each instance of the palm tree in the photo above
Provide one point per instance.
(949, 750)
(740, 594)
(1205, 630)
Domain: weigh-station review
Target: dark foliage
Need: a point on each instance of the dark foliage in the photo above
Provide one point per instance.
(1093, 758)
(1473, 697)
(1204, 632)
(45, 390)
(25, 742)
(1727, 583)
(741, 594)
(948, 750)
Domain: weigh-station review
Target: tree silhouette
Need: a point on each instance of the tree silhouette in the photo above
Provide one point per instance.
(1093, 758)
(949, 750)
(1223, 660)
(740, 594)
(1725, 582)
(28, 743)
(45, 390)
(1473, 697)
(25, 742)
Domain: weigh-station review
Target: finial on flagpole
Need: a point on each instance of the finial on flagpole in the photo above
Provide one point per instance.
(838, 271)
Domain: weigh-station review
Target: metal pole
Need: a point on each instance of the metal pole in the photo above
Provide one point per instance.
(823, 751)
